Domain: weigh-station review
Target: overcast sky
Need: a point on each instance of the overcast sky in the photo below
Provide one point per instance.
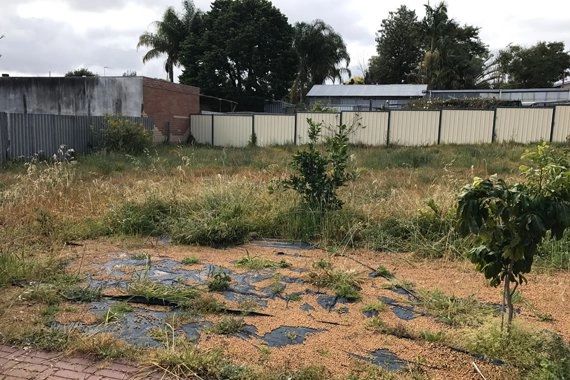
(43, 36)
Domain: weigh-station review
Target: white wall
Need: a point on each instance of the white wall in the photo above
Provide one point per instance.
(414, 128)
(466, 126)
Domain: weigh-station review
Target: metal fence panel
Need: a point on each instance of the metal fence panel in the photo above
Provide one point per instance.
(371, 127)
(232, 130)
(201, 128)
(414, 128)
(561, 132)
(41, 134)
(328, 120)
(466, 127)
(3, 136)
(274, 129)
(523, 125)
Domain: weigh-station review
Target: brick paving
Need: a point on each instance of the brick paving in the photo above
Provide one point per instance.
(18, 364)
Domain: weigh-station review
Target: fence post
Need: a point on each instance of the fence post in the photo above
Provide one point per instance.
(253, 128)
(295, 130)
(439, 127)
(212, 129)
(388, 128)
(168, 132)
(493, 133)
(3, 136)
(552, 123)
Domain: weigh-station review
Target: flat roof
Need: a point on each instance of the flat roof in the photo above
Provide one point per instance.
(501, 90)
(368, 90)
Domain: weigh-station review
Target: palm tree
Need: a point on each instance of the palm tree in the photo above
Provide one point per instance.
(321, 55)
(170, 33)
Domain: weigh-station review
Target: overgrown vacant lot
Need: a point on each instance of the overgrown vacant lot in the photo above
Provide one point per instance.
(165, 258)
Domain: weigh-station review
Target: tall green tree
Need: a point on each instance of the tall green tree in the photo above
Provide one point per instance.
(540, 65)
(241, 50)
(170, 33)
(454, 55)
(398, 44)
(321, 55)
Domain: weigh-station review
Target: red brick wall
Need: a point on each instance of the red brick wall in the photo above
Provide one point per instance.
(170, 102)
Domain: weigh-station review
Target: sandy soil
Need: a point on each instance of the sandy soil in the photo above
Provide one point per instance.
(345, 334)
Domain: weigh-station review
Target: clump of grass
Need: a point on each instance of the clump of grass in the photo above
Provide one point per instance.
(46, 293)
(454, 311)
(376, 306)
(257, 263)
(139, 256)
(192, 260)
(147, 218)
(81, 294)
(432, 336)
(553, 253)
(219, 282)
(116, 311)
(345, 284)
(41, 338)
(178, 294)
(228, 326)
(183, 360)
(536, 354)
(204, 303)
(102, 346)
(377, 325)
(382, 271)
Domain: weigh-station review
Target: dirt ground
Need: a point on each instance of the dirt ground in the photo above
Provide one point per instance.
(341, 339)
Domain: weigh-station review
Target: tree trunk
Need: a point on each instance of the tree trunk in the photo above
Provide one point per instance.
(171, 72)
(508, 298)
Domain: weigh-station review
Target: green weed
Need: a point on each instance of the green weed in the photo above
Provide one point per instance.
(219, 282)
(228, 326)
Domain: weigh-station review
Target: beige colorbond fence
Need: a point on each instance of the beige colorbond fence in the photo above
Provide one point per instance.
(234, 131)
(274, 129)
(523, 125)
(411, 128)
(466, 127)
(561, 131)
(371, 127)
(201, 128)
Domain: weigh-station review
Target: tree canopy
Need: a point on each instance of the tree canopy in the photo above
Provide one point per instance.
(81, 72)
(170, 33)
(321, 55)
(242, 50)
(540, 65)
(398, 47)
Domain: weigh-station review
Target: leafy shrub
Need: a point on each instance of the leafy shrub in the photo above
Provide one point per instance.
(512, 220)
(468, 103)
(124, 136)
(219, 282)
(318, 175)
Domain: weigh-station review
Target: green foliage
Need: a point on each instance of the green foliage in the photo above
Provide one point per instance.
(513, 220)
(179, 294)
(81, 294)
(463, 103)
(538, 66)
(345, 284)
(190, 260)
(377, 306)
(219, 281)
(453, 310)
(554, 253)
(321, 55)
(147, 218)
(228, 326)
(82, 72)
(170, 34)
(241, 50)
(537, 355)
(257, 263)
(453, 53)
(124, 136)
(398, 44)
(318, 176)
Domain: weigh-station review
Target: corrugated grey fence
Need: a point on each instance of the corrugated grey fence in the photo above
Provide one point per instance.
(26, 135)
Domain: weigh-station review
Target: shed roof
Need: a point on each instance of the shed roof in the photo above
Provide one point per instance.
(368, 90)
